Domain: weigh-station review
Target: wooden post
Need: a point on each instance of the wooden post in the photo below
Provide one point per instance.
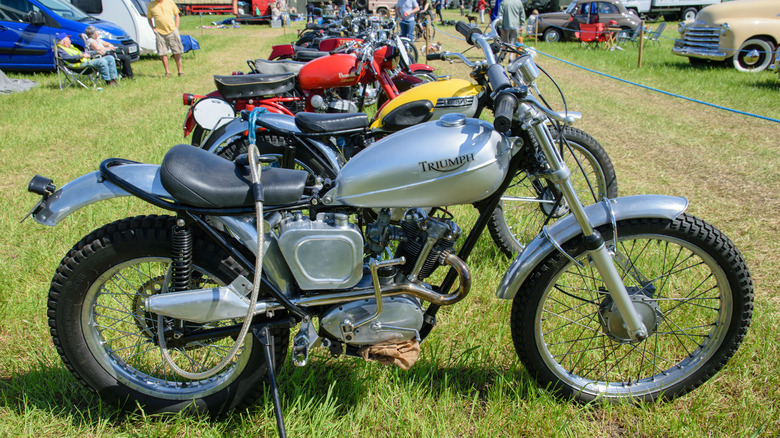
(536, 30)
(641, 42)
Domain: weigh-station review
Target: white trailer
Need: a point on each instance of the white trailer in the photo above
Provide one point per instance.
(672, 10)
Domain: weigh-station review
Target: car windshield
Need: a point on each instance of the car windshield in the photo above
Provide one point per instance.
(65, 10)
(572, 8)
(141, 5)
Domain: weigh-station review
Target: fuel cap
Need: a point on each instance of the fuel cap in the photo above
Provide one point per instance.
(453, 119)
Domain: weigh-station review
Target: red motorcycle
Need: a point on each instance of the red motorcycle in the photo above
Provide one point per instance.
(338, 83)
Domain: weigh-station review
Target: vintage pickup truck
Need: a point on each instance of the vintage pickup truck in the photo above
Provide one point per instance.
(746, 32)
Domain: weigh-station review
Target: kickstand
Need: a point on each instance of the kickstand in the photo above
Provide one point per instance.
(264, 336)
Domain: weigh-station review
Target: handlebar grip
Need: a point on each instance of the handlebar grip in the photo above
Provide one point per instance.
(466, 30)
(497, 77)
(506, 105)
(434, 57)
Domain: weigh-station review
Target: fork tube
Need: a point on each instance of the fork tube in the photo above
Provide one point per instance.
(594, 243)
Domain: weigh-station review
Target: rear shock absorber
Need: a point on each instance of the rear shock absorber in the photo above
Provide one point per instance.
(181, 263)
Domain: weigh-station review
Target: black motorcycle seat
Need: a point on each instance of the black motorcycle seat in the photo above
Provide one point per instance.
(265, 66)
(253, 85)
(408, 114)
(317, 26)
(199, 178)
(316, 123)
(306, 54)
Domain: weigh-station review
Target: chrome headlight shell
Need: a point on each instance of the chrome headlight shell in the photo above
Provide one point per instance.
(724, 29)
(681, 27)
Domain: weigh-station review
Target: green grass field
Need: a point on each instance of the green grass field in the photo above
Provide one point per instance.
(468, 381)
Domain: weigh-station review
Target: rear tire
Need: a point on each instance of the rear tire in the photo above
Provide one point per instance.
(108, 340)
(689, 14)
(514, 223)
(688, 282)
(552, 35)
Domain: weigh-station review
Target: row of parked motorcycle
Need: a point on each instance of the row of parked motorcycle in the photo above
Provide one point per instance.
(296, 211)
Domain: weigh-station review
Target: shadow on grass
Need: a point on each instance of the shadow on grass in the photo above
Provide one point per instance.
(54, 390)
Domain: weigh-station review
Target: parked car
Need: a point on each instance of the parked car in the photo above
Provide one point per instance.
(130, 15)
(744, 32)
(27, 29)
(558, 26)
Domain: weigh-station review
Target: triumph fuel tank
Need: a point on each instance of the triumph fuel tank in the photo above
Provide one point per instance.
(339, 70)
(454, 160)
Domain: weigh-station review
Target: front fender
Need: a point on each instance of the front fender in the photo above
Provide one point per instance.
(628, 207)
(91, 188)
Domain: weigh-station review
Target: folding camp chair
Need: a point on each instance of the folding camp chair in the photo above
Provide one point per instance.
(654, 36)
(69, 75)
(591, 34)
(633, 37)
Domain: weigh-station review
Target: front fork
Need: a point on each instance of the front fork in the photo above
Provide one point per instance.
(594, 243)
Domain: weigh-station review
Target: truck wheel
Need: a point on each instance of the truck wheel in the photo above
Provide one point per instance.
(689, 14)
(652, 18)
(361, 4)
(745, 63)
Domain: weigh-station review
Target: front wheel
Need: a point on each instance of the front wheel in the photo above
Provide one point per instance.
(529, 203)
(687, 281)
(108, 340)
(745, 61)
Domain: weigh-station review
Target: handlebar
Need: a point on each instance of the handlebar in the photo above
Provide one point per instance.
(506, 105)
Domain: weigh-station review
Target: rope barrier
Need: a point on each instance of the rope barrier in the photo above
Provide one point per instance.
(679, 96)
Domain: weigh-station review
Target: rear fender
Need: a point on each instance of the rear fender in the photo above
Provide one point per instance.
(92, 187)
(282, 51)
(628, 207)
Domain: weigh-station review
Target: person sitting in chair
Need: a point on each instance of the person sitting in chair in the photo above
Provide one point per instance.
(105, 65)
(98, 45)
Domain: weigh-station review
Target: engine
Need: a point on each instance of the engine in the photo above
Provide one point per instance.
(328, 253)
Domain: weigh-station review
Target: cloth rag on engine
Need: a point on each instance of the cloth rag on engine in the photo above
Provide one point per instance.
(403, 355)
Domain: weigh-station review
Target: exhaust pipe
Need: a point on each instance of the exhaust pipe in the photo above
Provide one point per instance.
(230, 302)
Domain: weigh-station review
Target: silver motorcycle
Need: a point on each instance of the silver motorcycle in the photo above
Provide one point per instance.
(629, 298)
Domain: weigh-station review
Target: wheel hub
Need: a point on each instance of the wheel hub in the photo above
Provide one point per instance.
(549, 208)
(646, 308)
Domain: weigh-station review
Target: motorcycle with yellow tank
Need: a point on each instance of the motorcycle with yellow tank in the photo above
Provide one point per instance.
(322, 143)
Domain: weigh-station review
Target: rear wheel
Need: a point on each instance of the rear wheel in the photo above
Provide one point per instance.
(689, 14)
(689, 285)
(552, 35)
(108, 340)
(528, 202)
(274, 146)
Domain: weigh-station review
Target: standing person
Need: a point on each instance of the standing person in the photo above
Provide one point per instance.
(342, 4)
(95, 43)
(513, 19)
(437, 4)
(78, 59)
(163, 16)
(481, 7)
(405, 10)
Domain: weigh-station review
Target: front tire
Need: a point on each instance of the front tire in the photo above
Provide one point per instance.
(744, 63)
(108, 340)
(688, 282)
(526, 204)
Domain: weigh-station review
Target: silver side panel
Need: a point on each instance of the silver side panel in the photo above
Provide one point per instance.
(629, 207)
(91, 188)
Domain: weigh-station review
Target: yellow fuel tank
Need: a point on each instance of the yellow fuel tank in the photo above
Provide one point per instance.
(439, 97)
